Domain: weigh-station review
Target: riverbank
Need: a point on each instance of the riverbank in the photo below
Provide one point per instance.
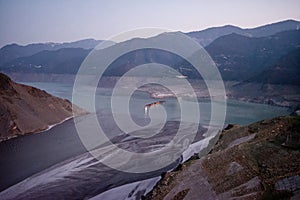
(26, 110)
(271, 94)
(77, 170)
(258, 161)
(275, 95)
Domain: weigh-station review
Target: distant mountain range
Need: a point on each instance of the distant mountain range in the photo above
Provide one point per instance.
(239, 57)
(205, 37)
(61, 61)
(14, 51)
(285, 71)
(240, 54)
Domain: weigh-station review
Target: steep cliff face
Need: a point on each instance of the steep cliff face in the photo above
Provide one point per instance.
(25, 109)
(259, 161)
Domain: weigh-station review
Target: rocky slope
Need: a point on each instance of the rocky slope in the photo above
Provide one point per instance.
(259, 161)
(25, 109)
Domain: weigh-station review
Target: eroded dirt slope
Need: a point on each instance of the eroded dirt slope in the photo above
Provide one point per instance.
(259, 161)
(25, 109)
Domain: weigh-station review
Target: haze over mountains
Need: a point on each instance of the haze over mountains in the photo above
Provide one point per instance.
(14, 51)
(240, 54)
(205, 37)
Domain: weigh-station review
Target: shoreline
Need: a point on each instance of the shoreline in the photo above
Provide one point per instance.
(156, 95)
(37, 131)
(279, 95)
(141, 188)
(49, 127)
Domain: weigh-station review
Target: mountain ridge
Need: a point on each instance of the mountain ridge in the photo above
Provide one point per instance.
(285, 71)
(14, 51)
(238, 57)
(206, 36)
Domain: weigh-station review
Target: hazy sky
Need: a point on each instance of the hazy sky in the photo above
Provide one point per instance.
(29, 21)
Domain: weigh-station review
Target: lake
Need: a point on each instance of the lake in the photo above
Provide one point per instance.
(57, 159)
(238, 112)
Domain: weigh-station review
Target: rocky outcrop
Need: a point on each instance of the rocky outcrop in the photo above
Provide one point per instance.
(25, 109)
(259, 161)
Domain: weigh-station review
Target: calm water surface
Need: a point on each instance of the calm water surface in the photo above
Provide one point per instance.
(238, 112)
